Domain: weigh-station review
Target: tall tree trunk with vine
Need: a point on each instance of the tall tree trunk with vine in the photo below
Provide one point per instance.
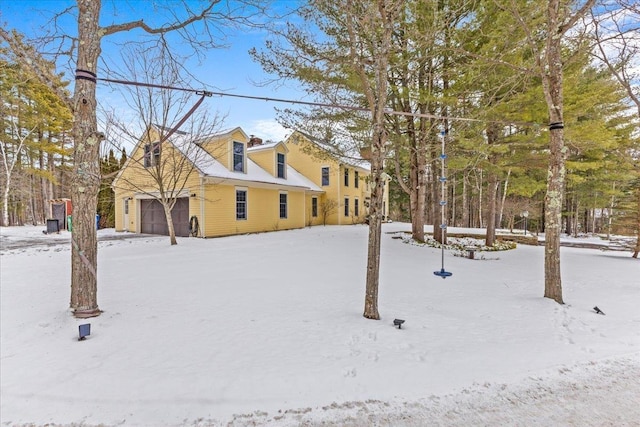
(551, 70)
(85, 181)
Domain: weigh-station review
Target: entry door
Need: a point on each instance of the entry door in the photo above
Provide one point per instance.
(125, 217)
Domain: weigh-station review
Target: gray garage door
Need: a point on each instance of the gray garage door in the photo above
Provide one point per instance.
(153, 221)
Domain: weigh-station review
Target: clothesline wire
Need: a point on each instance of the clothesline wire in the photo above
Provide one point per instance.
(308, 103)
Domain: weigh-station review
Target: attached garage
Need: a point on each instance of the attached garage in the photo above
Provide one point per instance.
(153, 221)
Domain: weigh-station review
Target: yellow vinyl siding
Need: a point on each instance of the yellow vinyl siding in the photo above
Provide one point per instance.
(306, 159)
(263, 210)
(213, 200)
(221, 147)
(353, 193)
(311, 220)
(265, 159)
(309, 159)
(135, 182)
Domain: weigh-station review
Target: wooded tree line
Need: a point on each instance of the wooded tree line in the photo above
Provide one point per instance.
(490, 77)
(35, 144)
(37, 149)
(470, 68)
(601, 165)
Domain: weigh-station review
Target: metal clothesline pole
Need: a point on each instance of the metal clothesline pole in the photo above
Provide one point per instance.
(443, 201)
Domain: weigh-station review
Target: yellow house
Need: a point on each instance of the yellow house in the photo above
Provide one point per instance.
(344, 181)
(231, 183)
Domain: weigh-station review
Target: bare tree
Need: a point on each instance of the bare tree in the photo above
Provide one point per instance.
(197, 30)
(167, 157)
(10, 156)
(327, 207)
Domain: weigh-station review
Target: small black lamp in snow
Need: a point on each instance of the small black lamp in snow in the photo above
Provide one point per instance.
(398, 323)
(84, 331)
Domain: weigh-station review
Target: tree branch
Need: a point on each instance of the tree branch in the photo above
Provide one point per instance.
(111, 29)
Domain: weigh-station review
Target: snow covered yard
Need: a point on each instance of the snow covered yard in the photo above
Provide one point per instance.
(268, 330)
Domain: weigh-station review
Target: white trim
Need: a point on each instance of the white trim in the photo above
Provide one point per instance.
(202, 217)
(253, 184)
(125, 212)
(156, 195)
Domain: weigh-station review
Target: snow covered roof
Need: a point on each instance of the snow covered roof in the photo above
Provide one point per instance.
(350, 158)
(208, 166)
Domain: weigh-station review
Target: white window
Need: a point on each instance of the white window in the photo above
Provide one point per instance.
(238, 157)
(283, 205)
(241, 204)
(325, 175)
(280, 165)
(152, 154)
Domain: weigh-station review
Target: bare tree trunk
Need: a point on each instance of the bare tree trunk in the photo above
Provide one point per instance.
(436, 197)
(610, 213)
(576, 218)
(636, 250)
(5, 205)
(167, 213)
(453, 201)
(376, 92)
(465, 199)
(375, 225)
(44, 187)
(553, 216)
(492, 196)
(480, 187)
(550, 65)
(493, 133)
(85, 180)
(417, 196)
(504, 197)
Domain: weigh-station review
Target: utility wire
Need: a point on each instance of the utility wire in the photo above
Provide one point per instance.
(310, 103)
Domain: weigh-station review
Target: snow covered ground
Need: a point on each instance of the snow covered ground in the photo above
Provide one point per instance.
(267, 329)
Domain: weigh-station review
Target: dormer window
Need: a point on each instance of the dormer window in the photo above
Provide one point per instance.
(280, 165)
(238, 157)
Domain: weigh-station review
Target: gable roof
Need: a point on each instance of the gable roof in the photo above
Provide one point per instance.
(349, 159)
(222, 135)
(208, 166)
(268, 146)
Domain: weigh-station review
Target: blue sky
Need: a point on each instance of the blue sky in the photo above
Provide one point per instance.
(228, 69)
